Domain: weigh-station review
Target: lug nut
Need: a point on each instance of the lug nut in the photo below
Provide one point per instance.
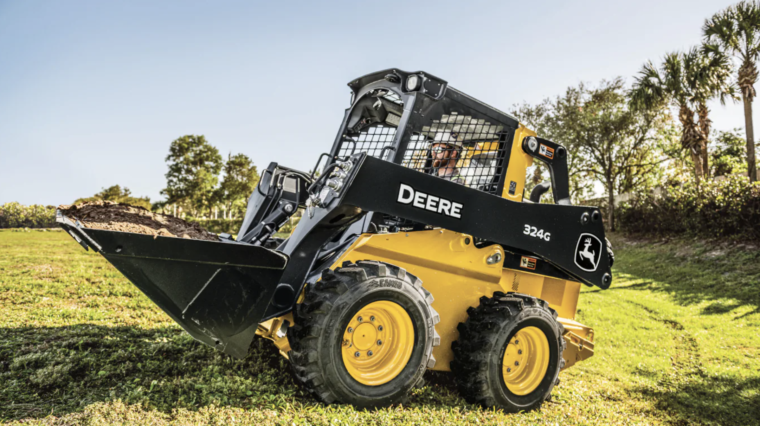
(379, 342)
(356, 354)
(371, 318)
(517, 342)
(379, 328)
(360, 319)
(519, 352)
(517, 364)
(350, 329)
(369, 353)
(509, 370)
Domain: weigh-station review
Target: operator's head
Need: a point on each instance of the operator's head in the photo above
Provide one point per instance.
(445, 149)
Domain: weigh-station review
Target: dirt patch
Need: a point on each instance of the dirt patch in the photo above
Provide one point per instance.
(47, 269)
(121, 217)
(685, 251)
(715, 253)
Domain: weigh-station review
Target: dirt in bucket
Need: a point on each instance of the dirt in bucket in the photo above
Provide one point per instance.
(125, 218)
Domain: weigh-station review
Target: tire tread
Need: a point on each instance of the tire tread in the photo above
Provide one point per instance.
(477, 337)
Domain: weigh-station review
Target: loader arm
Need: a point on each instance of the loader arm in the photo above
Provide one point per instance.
(558, 234)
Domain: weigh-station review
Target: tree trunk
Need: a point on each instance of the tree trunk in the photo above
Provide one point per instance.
(705, 160)
(747, 78)
(697, 160)
(704, 129)
(610, 206)
(752, 168)
(690, 138)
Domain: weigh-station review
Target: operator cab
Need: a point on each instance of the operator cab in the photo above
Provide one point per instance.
(398, 117)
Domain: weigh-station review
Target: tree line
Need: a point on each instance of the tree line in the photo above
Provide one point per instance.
(199, 183)
(626, 138)
(193, 180)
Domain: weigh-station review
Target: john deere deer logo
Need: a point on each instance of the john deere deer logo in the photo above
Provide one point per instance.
(588, 252)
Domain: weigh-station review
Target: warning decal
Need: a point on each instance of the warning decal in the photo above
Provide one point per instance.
(528, 263)
(546, 151)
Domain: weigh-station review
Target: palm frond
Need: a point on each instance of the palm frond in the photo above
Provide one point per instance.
(736, 30)
(707, 75)
(648, 88)
(674, 75)
(721, 29)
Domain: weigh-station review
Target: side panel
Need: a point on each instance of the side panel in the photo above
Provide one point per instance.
(553, 233)
(457, 274)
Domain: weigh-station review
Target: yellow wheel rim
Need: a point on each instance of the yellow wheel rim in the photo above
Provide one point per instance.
(377, 343)
(525, 361)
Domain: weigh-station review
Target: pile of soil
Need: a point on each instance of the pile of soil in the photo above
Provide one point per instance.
(125, 218)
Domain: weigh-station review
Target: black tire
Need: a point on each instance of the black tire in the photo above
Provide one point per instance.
(483, 338)
(321, 319)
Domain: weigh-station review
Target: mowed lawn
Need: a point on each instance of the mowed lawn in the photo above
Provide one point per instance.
(678, 341)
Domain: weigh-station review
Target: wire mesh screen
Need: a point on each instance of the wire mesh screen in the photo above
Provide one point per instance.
(459, 148)
(376, 141)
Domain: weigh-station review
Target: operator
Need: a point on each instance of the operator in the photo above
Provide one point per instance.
(445, 151)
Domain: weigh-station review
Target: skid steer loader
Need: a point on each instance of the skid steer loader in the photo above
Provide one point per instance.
(417, 250)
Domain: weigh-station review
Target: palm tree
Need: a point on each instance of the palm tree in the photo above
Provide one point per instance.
(737, 31)
(707, 73)
(668, 85)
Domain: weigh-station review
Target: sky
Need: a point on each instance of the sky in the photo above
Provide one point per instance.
(92, 93)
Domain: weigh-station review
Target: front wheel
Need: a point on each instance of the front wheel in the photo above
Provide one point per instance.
(364, 335)
(509, 352)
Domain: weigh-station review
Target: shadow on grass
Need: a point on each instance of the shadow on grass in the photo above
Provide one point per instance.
(60, 370)
(708, 399)
(730, 280)
(644, 285)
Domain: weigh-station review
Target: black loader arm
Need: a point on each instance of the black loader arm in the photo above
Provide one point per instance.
(568, 237)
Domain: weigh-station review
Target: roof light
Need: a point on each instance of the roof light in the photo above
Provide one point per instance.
(413, 82)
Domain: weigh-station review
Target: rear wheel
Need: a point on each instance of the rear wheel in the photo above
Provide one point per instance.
(364, 335)
(509, 352)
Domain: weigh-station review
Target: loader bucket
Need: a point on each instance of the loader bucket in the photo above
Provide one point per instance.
(217, 291)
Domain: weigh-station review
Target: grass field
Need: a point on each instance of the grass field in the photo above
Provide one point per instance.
(677, 342)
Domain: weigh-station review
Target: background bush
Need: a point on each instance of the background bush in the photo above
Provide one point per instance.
(15, 215)
(726, 208)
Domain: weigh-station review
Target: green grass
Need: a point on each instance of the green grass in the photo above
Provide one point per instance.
(677, 343)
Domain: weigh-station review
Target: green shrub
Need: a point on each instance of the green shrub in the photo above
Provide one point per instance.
(726, 208)
(116, 194)
(15, 215)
